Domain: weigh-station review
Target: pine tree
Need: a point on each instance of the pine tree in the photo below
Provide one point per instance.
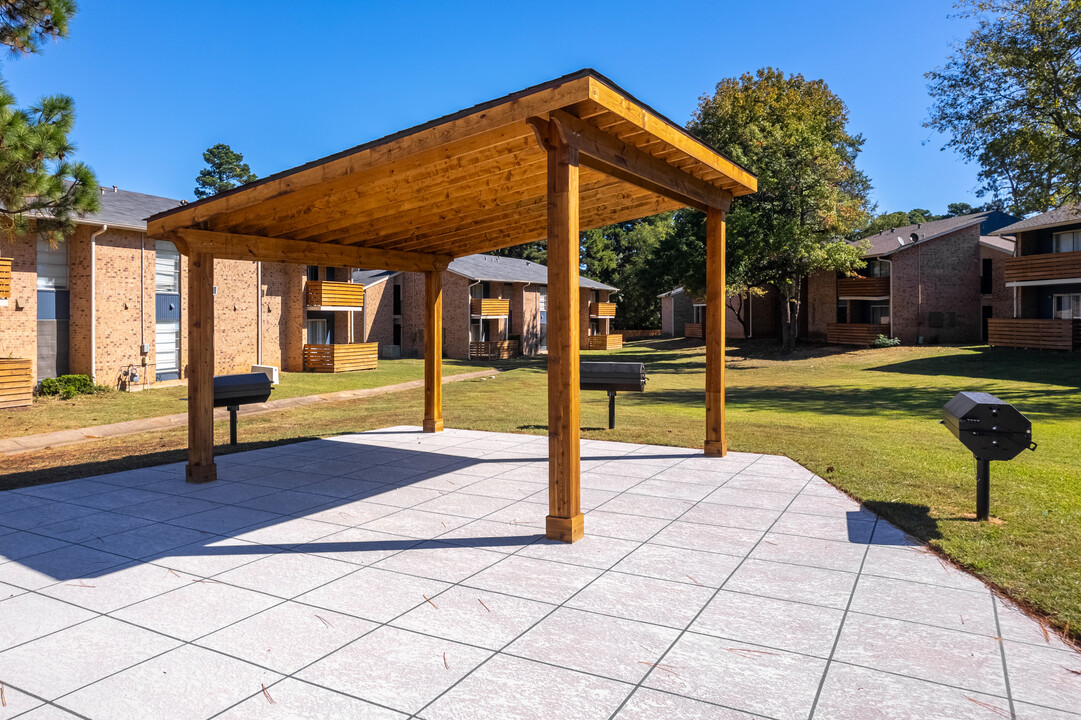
(225, 170)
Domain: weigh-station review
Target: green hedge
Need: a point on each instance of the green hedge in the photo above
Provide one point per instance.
(68, 386)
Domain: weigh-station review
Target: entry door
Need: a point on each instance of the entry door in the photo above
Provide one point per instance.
(167, 311)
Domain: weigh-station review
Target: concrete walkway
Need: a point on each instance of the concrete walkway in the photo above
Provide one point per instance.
(43, 441)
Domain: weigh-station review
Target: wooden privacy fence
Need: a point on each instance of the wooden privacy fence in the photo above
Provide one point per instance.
(854, 333)
(5, 278)
(341, 358)
(638, 334)
(322, 293)
(1034, 333)
(692, 330)
(16, 383)
(605, 342)
(495, 350)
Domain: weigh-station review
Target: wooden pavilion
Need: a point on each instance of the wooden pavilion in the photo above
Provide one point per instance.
(571, 154)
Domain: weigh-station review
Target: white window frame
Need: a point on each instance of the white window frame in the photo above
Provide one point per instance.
(323, 333)
(1073, 303)
(1069, 241)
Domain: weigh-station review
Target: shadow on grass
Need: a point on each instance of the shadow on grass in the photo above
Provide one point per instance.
(1030, 366)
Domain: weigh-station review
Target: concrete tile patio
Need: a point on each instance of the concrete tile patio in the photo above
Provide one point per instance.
(395, 574)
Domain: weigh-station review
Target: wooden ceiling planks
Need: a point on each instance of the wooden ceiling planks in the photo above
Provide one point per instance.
(471, 182)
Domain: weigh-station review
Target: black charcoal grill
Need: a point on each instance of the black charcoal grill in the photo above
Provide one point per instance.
(613, 377)
(232, 391)
(993, 430)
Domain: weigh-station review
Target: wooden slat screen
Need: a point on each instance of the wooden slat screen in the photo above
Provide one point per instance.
(1034, 333)
(497, 350)
(341, 358)
(863, 287)
(1048, 266)
(635, 334)
(602, 309)
(692, 330)
(334, 294)
(5, 277)
(489, 306)
(16, 382)
(854, 333)
(605, 342)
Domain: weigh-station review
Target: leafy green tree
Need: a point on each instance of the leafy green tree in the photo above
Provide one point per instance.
(225, 169)
(38, 179)
(624, 255)
(1009, 99)
(793, 134)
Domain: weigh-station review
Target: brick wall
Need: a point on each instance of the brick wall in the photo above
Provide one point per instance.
(376, 323)
(18, 318)
(1001, 297)
(821, 306)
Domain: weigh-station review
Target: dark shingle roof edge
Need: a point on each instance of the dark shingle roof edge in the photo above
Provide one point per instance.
(894, 239)
(1064, 215)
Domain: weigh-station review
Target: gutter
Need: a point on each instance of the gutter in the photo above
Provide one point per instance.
(259, 312)
(93, 302)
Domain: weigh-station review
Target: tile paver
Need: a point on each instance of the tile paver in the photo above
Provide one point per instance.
(337, 573)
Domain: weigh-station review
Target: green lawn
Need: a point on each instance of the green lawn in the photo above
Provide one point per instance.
(48, 414)
(866, 420)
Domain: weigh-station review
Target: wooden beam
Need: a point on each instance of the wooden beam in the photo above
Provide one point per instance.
(610, 155)
(433, 351)
(201, 467)
(716, 442)
(565, 520)
(231, 246)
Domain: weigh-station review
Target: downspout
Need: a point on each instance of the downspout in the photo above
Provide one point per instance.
(258, 312)
(93, 304)
(469, 318)
(145, 357)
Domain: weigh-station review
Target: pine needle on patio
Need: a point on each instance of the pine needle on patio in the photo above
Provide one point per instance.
(324, 621)
(445, 661)
(430, 602)
(81, 583)
(482, 604)
(693, 580)
(745, 651)
(3, 698)
(993, 708)
(667, 668)
(1046, 637)
(1070, 670)
(267, 695)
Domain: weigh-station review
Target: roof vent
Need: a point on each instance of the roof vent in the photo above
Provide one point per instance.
(914, 237)
(102, 190)
(114, 188)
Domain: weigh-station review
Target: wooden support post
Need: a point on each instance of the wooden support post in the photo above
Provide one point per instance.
(433, 351)
(716, 444)
(201, 467)
(564, 521)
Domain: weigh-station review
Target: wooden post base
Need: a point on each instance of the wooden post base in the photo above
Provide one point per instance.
(201, 473)
(433, 426)
(566, 530)
(716, 449)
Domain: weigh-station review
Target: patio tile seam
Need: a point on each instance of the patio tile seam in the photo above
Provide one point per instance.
(840, 628)
(1002, 654)
(698, 614)
(45, 703)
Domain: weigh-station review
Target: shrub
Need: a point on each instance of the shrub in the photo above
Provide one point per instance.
(884, 342)
(68, 386)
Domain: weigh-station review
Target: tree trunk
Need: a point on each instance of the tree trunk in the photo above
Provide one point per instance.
(739, 311)
(789, 317)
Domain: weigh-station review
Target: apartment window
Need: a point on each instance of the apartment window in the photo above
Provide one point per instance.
(986, 285)
(52, 266)
(166, 268)
(1068, 241)
(397, 302)
(878, 268)
(1068, 307)
(880, 314)
(698, 314)
(330, 274)
(313, 272)
(842, 311)
(542, 312)
(317, 332)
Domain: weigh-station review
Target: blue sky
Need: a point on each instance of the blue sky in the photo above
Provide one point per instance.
(154, 86)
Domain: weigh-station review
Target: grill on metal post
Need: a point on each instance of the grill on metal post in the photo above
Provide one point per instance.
(232, 391)
(993, 430)
(613, 377)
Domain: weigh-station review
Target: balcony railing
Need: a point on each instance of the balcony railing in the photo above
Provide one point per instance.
(856, 287)
(1034, 333)
(854, 333)
(341, 358)
(489, 307)
(602, 309)
(495, 350)
(5, 278)
(1047, 266)
(328, 294)
(612, 341)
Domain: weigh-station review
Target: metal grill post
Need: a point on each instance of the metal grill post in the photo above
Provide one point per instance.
(983, 489)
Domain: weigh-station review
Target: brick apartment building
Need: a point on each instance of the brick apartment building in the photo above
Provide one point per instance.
(933, 282)
(683, 315)
(1043, 281)
(107, 302)
(488, 302)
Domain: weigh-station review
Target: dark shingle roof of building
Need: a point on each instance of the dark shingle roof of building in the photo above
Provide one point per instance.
(997, 243)
(124, 208)
(496, 268)
(1059, 216)
(372, 277)
(890, 241)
